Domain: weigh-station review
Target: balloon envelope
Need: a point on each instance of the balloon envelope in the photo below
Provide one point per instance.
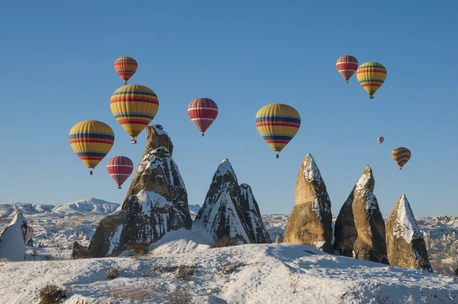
(126, 67)
(202, 112)
(120, 168)
(91, 140)
(401, 156)
(134, 107)
(347, 66)
(380, 139)
(277, 124)
(371, 76)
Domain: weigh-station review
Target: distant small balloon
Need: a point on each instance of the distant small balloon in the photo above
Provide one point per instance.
(381, 139)
(126, 67)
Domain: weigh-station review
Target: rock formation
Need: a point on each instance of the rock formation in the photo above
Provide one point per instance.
(405, 244)
(12, 240)
(310, 221)
(360, 228)
(230, 210)
(156, 202)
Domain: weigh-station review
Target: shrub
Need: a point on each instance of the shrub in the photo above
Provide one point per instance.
(112, 273)
(52, 294)
(183, 272)
(139, 248)
(225, 241)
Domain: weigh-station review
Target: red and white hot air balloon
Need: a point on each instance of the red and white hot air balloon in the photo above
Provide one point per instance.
(202, 112)
(120, 168)
(380, 139)
(347, 66)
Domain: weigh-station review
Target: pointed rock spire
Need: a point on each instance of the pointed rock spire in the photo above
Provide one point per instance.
(156, 202)
(310, 221)
(405, 244)
(230, 210)
(12, 240)
(360, 228)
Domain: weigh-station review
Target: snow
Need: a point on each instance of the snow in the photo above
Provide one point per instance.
(363, 181)
(311, 171)
(114, 239)
(406, 225)
(12, 243)
(159, 130)
(152, 199)
(252, 273)
(224, 167)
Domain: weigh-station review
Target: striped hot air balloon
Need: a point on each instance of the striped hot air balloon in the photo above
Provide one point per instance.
(125, 67)
(371, 76)
(120, 168)
(347, 66)
(277, 123)
(91, 140)
(401, 156)
(202, 112)
(134, 107)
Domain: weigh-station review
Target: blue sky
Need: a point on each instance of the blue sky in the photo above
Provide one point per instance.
(58, 70)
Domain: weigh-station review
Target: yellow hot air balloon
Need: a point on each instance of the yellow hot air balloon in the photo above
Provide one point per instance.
(91, 140)
(371, 76)
(134, 106)
(401, 156)
(277, 123)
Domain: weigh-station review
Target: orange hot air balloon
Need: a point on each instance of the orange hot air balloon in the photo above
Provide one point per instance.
(347, 66)
(125, 67)
(401, 156)
(202, 112)
(380, 139)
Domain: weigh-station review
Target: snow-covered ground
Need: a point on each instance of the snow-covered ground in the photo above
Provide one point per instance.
(183, 266)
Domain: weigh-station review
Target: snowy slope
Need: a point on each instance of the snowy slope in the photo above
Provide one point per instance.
(253, 273)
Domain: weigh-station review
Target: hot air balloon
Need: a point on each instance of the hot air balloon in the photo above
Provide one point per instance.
(380, 139)
(125, 67)
(347, 66)
(134, 106)
(401, 156)
(91, 140)
(277, 123)
(202, 112)
(371, 76)
(120, 168)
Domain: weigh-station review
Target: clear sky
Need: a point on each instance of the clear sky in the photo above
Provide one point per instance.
(58, 70)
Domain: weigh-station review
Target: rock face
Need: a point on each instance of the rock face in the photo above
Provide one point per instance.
(156, 202)
(310, 221)
(405, 244)
(12, 240)
(360, 228)
(230, 210)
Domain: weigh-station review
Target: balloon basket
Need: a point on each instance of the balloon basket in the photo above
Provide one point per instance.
(133, 141)
(277, 156)
(203, 134)
(371, 97)
(90, 172)
(119, 187)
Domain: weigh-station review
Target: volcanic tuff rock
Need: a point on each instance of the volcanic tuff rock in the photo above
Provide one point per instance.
(310, 221)
(156, 202)
(360, 228)
(405, 244)
(230, 210)
(12, 240)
